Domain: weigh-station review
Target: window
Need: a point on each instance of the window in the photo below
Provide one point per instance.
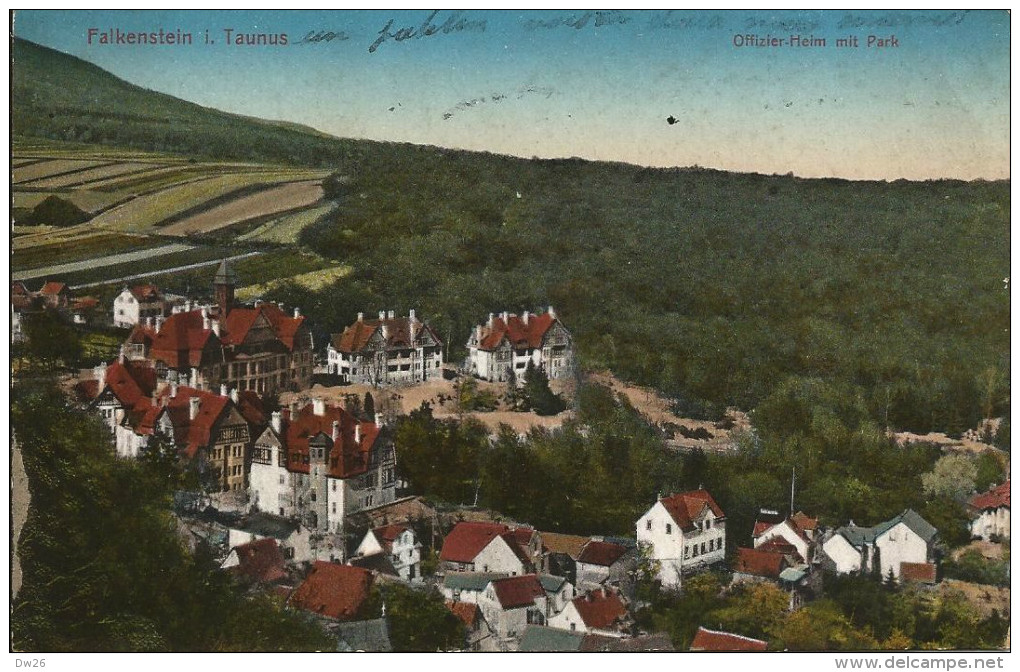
(334, 507)
(573, 626)
(687, 552)
(708, 524)
(694, 552)
(669, 528)
(648, 524)
(281, 480)
(313, 497)
(702, 548)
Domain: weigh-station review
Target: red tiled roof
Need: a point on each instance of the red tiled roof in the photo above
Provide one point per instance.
(53, 287)
(779, 545)
(759, 563)
(387, 534)
(684, 507)
(197, 433)
(400, 333)
(350, 460)
(240, 320)
(261, 560)
(335, 591)
(917, 572)
(518, 591)
(568, 544)
(130, 382)
(602, 553)
(600, 609)
(714, 640)
(804, 522)
(84, 303)
(993, 499)
(465, 611)
(146, 293)
(249, 405)
(516, 332)
(466, 540)
(142, 334)
(182, 339)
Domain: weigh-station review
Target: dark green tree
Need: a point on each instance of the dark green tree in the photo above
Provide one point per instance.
(369, 406)
(537, 394)
(56, 211)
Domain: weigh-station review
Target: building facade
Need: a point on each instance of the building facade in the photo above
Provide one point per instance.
(507, 343)
(683, 533)
(389, 350)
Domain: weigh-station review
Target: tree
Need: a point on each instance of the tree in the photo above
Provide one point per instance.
(419, 620)
(56, 211)
(369, 406)
(50, 339)
(954, 477)
(537, 394)
(334, 186)
(989, 471)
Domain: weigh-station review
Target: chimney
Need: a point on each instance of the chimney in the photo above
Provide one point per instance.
(390, 315)
(505, 316)
(235, 396)
(336, 431)
(194, 378)
(173, 390)
(99, 373)
(524, 317)
(293, 409)
(411, 316)
(385, 331)
(297, 312)
(121, 357)
(279, 304)
(216, 328)
(357, 433)
(224, 390)
(206, 321)
(489, 324)
(277, 422)
(382, 315)
(478, 334)
(552, 313)
(148, 322)
(193, 407)
(361, 317)
(318, 406)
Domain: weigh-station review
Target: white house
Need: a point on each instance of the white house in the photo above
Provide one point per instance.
(136, 304)
(467, 586)
(787, 530)
(385, 351)
(991, 513)
(294, 540)
(599, 612)
(399, 543)
(509, 605)
(124, 392)
(603, 562)
(507, 343)
(906, 538)
(681, 533)
(486, 547)
(320, 464)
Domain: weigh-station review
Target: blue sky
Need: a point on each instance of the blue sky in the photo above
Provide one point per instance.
(553, 84)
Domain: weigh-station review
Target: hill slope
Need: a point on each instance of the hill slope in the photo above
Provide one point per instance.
(712, 287)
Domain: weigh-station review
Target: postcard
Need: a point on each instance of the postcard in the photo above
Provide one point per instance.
(585, 331)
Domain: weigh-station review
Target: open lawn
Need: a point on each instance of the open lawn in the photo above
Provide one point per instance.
(278, 199)
(313, 280)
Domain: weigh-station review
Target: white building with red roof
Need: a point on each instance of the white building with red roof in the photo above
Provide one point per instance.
(487, 547)
(770, 526)
(599, 612)
(385, 351)
(320, 464)
(136, 304)
(507, 342)
(510, 604)
(399, 544)
(260, 348)
(991, 513)
(683, 532)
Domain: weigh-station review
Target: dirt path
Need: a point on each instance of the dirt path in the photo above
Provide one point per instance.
(99, 262)
(20, 497)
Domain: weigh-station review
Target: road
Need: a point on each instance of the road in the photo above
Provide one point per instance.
(99, 262)
(20, 497)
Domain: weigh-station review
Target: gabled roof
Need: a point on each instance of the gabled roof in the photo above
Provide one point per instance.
(401, 332)
(911, 519)
(804, 521)
(266, 525)
(602, 553)
(379, 563)
(778, 545)
(467, 539)
(716, 640)
(515, 592)
(225, 274)
(346, 458)
(538, 638)
(993, 499)
(387, 534)
(181, 340)
(239, 322)
(600, 609)
(335, 591)
(757, 562)
(551, 583)
(372, 636)
(249, 405)
(195, 433)
(516, 332)
(685, 507)
(917, 572)
(765, 521)
(52, 287)
(146, 293)
(130, 382)
(568, 544)
(260, 560)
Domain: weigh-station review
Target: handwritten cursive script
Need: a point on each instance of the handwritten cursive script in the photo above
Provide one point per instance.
(455, 23)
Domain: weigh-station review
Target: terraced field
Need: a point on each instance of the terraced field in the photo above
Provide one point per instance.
(89, 248)
(37, 171)
(285, 198)
(82, 177)
(287, 228)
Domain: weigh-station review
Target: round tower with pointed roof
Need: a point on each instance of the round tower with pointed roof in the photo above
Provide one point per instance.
(223, 285)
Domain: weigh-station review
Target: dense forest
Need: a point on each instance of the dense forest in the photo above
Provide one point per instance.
(712, 287)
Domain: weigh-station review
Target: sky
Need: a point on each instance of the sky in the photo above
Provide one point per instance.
(927, 98)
